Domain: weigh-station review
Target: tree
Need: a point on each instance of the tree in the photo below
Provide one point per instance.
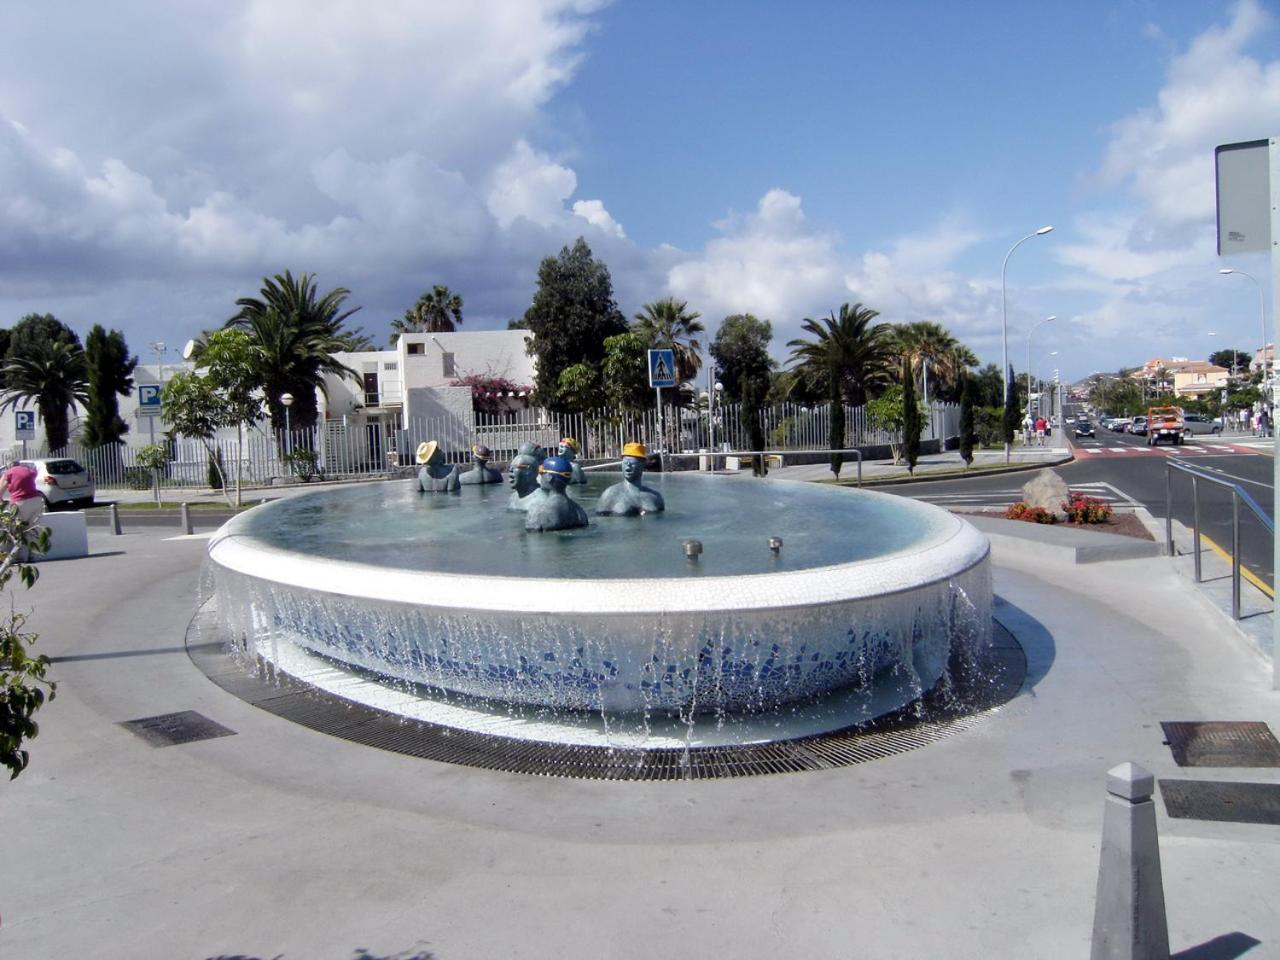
(1012, 409)
(109, 374)
(1232, 360)
(294, 335)
(52, 375)
(36, 330)
(848, 347)
(625, 372)
(753, 394)
(439, 310)
(355, 341)
(912, 421)
(740, 351)
(22, 676)
(572, 314)
(667, 324)
(836, 411)
(887, 413)
(928, 345)
(967, 431)
(988, 386)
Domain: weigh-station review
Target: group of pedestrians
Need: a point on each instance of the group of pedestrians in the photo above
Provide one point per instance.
(1035, 429)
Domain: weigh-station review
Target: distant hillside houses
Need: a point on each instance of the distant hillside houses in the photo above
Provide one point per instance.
(416, 381)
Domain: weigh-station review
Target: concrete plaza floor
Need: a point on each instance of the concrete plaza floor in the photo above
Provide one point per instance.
(284, 842)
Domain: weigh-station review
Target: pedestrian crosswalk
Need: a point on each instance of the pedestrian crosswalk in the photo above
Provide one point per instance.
(1183, 450)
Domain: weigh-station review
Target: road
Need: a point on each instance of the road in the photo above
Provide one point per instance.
(1122, 470)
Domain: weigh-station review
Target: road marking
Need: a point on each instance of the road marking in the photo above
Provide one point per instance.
(1232, 476)
(1244, 571)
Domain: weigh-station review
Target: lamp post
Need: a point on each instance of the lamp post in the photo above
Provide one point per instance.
(1004, 321)
(712, 397)
(1262, 319)
(1029, 333)
(287, 400)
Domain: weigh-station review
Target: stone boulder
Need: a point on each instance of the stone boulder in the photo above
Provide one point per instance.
(1046, 490)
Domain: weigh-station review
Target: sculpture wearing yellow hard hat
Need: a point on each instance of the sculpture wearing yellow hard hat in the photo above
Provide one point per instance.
(631, 498)
(568, 450)
(436, 476)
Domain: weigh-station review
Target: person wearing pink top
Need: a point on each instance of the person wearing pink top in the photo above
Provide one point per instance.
(18, 483)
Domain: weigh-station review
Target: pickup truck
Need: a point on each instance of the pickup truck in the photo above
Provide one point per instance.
(1164, 423)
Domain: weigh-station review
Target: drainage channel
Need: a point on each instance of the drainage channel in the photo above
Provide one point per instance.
(949, 708)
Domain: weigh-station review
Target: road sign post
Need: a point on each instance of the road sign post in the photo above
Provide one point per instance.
(662, 373)
(24, 424)
(149, 405)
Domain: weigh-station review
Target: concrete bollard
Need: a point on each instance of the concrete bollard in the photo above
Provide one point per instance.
(184, 516)
(113, 519)
(1129, 921)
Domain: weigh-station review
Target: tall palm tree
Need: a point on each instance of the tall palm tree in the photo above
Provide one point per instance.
(848, 347)
(667, 324)
(295, 335)
(53, 375)
(439, 310)
(931, 345)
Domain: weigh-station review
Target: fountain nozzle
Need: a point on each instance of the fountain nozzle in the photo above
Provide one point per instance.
(692, 548)
(775, 544)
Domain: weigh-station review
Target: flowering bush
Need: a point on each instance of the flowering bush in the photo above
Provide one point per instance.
(493, 395)
(1081, 509)
(1021, 511)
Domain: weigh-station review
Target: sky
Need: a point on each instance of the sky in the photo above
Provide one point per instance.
(158, 160)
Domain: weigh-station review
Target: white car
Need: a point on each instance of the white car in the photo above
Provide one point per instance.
(62, 480)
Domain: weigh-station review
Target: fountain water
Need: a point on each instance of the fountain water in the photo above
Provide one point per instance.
(446, 609)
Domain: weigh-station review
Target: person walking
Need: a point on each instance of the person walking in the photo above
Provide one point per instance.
(1041, 426)
(18, 485)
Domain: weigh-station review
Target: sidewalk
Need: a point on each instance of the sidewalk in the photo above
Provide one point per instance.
(936, 465)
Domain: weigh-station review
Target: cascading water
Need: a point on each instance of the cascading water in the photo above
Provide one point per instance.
(459, 615)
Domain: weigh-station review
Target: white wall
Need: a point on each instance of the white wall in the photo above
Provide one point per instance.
(493, 353)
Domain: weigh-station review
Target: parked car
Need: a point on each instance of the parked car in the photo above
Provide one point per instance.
(1119, 424)
(62, 481)
(1084, 428)
(1138, 426)
(1198, 423)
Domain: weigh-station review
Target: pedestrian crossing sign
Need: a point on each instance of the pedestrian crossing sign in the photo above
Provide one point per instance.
(662, 368)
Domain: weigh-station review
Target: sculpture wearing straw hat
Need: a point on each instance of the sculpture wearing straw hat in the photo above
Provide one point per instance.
(568, 449)
(630, 498)
(480, 471)
(522, 478)
(436, 476)
(551, 508)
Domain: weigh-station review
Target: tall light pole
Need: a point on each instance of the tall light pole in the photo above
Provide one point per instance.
(1029, 333)
(1004, 321)
(1262, 319)
(712, 396)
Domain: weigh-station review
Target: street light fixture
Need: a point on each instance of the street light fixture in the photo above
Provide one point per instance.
(712, 398)
(1029, 333)
(287, 400)
(1262, 319)
(1004, 322)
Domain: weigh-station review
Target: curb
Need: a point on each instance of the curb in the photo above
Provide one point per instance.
(1075, 546)
(940, 477)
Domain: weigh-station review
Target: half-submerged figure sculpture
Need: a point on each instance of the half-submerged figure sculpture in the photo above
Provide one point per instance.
(522, 478)
(630, 498)
(436, 476)
(480, 471)
(568, 450)
(551, 508)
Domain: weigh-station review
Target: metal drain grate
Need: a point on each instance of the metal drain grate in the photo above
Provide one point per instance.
(168, 729)
(1221, 743)
(1228, 802)
(945, 709)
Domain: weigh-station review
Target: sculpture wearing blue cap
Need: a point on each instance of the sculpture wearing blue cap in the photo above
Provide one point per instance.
(551, 508)
(630, 498)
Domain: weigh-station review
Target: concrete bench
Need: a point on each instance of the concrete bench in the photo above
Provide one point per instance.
(68, 535)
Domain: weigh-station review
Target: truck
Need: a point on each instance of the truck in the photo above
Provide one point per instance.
(1165, 423)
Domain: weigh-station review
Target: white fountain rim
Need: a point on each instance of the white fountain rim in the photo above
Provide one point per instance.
(935, 559)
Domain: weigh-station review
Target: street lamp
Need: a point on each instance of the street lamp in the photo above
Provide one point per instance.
(1029, 333)
(1262, 318)
(1004, 321)
(1235, 355)
(712, 398)
(287, 400)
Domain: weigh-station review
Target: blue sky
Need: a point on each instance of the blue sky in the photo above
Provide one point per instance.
(157, 160)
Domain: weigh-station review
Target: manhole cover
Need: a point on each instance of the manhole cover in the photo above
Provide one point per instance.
(1215, 800)
(1221, 743)
(168, 729)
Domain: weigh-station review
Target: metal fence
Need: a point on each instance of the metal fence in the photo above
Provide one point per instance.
(350, 448)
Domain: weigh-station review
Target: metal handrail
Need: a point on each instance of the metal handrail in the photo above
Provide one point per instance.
(1238, 495)
(742, 454)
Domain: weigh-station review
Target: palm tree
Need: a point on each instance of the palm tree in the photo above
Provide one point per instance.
(53, 375)
(295, 336)
(848, 347)
(437, 311)
(667, 324)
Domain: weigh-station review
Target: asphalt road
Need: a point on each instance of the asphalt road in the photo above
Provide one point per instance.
(1122, 469)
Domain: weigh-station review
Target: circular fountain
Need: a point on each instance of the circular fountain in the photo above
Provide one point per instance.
(804, 602)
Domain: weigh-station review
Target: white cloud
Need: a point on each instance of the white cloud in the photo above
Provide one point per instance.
(593, 212)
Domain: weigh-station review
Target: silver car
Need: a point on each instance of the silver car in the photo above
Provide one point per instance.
(1194, 423)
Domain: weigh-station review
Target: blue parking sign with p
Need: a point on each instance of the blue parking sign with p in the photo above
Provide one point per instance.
(662, 368)
(148, 398)
(24, 422)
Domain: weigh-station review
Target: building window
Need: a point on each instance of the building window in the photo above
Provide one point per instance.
(391, 366)
(446, 359)
(417, 348)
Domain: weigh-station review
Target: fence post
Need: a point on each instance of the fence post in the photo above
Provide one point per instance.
(1129, 921)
